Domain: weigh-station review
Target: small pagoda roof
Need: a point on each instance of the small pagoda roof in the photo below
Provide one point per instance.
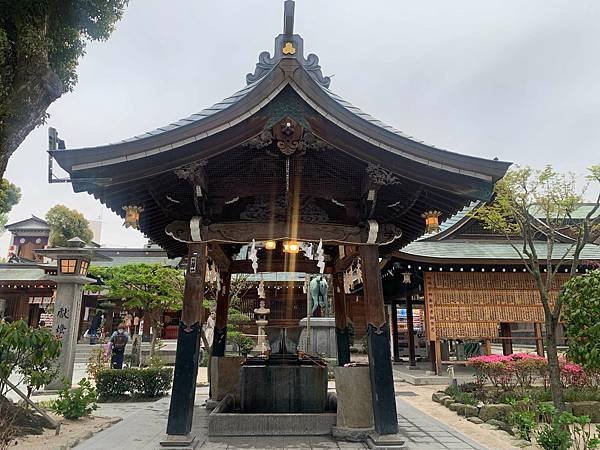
(32, 223)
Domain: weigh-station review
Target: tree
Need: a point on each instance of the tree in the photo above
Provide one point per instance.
(149, 287)
(41, 42)
(66, 224)
(527, 203)
(581, 299)
(9, 197)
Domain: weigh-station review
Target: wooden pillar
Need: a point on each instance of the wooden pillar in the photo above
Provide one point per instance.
(395, 349)
(341, 320)
(507, 345)
(487, 346)
(220, 332)
(380, 363)
(181, 410)
(438, 357)
(21, 311)
(539, 338)
(410, 325)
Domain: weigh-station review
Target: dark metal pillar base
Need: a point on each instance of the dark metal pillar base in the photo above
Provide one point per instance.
(382, 381)
(343, 346)
(219, 341)
(181, 410)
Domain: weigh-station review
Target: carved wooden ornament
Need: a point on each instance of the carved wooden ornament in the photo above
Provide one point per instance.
(288, 133)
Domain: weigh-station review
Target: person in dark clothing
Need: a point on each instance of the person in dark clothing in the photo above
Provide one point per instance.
(118, 340)
(94, 325)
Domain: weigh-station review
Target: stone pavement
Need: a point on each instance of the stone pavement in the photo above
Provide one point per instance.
(144, 424)
(422, 431)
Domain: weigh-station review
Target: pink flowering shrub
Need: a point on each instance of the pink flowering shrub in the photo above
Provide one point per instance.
(523, 369)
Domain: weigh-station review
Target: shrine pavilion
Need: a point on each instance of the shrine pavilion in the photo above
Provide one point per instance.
(281, 163)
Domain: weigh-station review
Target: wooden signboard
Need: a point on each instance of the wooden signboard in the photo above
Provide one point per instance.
(472, 305)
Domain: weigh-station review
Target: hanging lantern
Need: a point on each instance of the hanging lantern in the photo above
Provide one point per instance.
(292, 247)
(432, 223)
(270, 245)
(132, 216)
(406, 277)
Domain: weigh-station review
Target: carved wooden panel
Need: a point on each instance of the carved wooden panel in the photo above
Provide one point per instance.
(472, 305)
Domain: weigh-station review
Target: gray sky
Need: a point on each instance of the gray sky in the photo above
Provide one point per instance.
(519, 80)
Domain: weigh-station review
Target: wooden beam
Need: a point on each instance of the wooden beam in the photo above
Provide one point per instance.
(245, 232)
(341, 320)
(181, 410)
(378, 332)
(218, 255)
(220, 331)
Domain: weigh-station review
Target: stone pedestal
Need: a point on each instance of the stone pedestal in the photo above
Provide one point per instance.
(354, 403)
(323, 340)
(261, 344)
(225, 376)
(65, 325)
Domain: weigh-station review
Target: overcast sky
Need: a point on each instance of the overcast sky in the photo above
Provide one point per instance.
(519, 80)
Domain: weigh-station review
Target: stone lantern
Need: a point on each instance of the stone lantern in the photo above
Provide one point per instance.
(261, 322)
(73, 263)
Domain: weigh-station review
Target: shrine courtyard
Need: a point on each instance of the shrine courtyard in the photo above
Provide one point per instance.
(283, 176)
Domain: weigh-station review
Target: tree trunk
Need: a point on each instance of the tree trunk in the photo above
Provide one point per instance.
(556, 387)
(155, 324)
(31, 96)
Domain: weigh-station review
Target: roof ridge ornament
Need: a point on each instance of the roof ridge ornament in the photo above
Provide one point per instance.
(288, 45)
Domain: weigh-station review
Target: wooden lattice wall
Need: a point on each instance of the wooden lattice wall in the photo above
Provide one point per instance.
(472, 305)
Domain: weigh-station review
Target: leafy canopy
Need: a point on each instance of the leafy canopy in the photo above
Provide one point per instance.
(41, 42)
(581, 297)
(9, 197)
(66, 224)
(145, 286)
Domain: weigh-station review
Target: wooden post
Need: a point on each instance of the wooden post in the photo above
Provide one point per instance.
(341, 321)
(380, 364)
(438, 357)
(507, 345)
(395, 349)
(410, 325)
(220, 332)
(181, 410)
(539, 338)
(487, 346)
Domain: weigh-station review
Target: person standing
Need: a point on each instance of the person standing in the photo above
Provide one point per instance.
(94, 325)
(118, 340)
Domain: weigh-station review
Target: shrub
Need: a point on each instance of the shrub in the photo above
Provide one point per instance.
(28, 352)
(75, 403)
(459, 394)
(119, 384)
(97, 361)
(525, 423)
(522, 369)
(153, 382)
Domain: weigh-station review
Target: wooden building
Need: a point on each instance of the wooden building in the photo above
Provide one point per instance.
(282, 160)
(474, 286)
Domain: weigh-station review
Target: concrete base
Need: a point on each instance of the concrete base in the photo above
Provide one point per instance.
(386, 442)
(351, 434)
(354, 399)
(225, 376)
(224, 422)
(322, 337)
(186, 442)
(268, 424)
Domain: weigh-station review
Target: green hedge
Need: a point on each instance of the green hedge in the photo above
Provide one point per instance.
(119, 384)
